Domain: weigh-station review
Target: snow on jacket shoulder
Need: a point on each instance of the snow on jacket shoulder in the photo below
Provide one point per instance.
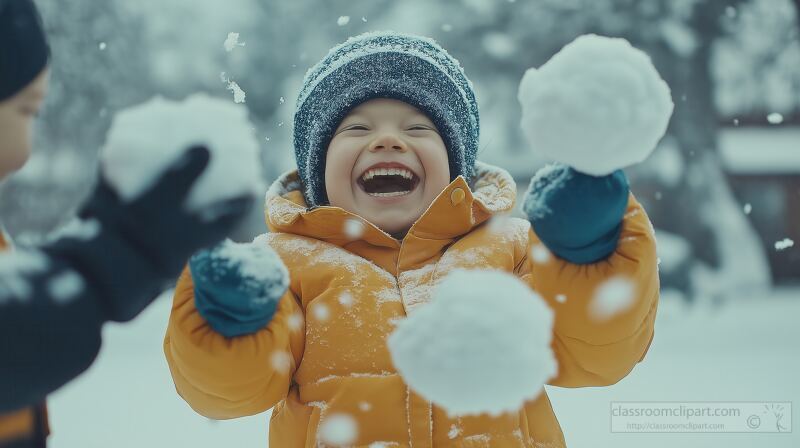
(325, 351)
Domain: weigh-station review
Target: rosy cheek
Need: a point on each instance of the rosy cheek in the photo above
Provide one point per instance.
(340, 160)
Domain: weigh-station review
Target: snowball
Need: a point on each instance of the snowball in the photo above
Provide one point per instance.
(146, 139)
(338, 429)
(258, 265)
(482, 345)
(611, 298)
(597, 105)
(784, 244)
(343, 20)
(748, 208)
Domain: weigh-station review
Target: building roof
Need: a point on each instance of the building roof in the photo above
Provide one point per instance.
(760, 150)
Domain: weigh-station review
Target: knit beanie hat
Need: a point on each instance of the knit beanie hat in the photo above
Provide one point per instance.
(23, 47)
(412, 69)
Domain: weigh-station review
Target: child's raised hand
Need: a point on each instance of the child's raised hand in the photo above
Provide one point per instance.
(598, 105)
(158, 221)
(150, 236)
(577, 216)
(238, 286)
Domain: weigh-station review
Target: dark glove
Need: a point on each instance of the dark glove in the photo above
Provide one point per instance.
(158, 221)
(232, 302)
(576, 215)
(145, 243)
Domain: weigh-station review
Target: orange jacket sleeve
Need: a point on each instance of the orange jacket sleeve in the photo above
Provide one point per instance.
(225, 378)
(592, 351)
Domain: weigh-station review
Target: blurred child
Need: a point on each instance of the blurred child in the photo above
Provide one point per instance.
(387, 200)
(55, 299)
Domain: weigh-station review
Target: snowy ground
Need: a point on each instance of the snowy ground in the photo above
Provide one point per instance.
(742, 351)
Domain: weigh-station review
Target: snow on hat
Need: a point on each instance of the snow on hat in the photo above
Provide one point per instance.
(412, 69)
(23, 46)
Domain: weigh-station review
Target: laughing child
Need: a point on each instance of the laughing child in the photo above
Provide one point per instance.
(386, 201)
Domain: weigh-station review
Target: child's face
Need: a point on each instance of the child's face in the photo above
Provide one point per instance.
(16, 123)
(391, 132)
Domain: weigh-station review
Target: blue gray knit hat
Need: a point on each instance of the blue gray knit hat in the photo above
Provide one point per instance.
(412, 69)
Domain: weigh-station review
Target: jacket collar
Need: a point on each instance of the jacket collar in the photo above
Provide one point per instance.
(455, 211)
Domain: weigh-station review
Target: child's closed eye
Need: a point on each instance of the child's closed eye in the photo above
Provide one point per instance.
(354, 127)
(421, 127)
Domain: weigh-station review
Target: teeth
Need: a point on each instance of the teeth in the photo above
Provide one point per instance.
(387, 172)
(389, 195)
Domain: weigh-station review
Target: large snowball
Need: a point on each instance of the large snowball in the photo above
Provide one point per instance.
(481, 346)
(598, 105)
(146, 139)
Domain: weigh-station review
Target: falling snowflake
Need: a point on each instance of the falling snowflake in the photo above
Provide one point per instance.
(232, 42)
(346, 299)
(540, 254)
(295, 321)
(775, 118)
(322, 312)
(611, 298)
(784, 244)
(338, 429)
(238, 93)
(454, 432)
(354, 229)
(281, 361)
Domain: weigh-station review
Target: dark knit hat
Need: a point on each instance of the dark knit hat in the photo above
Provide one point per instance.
(412, 69)
(23, 47)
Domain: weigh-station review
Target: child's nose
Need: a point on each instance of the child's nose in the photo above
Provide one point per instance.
(388, 140)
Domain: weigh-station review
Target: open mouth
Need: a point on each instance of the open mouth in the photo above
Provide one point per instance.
(388, 182)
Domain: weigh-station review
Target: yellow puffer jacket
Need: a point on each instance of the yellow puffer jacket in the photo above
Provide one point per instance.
(325, 350)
